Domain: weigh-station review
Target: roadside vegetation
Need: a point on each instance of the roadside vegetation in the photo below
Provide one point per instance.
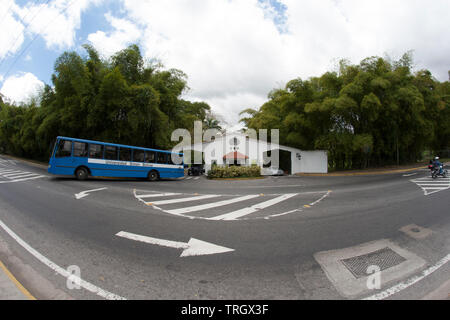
(373, 114)
(234, 172)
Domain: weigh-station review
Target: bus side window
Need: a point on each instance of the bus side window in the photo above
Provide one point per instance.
(125, 154)
(110, 153)
(80, 149)
(95, 151)
(138, 155)
(64, 149)
(150, 157)
(161, 157)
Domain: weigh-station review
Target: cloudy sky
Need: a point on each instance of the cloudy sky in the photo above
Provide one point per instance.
(233, 51)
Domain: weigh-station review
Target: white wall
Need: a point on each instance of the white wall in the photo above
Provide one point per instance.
(309, 162)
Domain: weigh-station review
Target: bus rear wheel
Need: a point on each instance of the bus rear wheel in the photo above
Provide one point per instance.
(81, 174)
(153, 175)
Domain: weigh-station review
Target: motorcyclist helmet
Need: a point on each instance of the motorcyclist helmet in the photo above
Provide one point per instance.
(436, 158)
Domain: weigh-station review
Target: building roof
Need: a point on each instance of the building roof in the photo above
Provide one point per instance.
(235, 155)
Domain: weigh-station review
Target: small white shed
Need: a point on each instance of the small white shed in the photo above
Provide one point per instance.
(239, 149)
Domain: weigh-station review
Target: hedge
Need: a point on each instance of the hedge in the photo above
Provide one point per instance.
(234, 172)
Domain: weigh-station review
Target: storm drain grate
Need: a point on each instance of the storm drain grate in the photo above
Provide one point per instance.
(384, 258)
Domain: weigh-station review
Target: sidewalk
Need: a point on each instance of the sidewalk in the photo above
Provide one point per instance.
(10, 288)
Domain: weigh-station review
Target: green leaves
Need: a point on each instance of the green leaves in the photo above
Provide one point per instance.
(366, 114)
(122, 100)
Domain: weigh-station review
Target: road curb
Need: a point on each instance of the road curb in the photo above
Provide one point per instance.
(29, 278)
(361, 173)
(10, 287)
(39, 165)
(441, 293)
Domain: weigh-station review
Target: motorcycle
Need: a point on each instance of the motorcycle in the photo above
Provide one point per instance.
(435, 172)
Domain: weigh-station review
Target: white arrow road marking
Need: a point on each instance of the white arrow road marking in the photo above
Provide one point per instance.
(83, 194)
(194, 247)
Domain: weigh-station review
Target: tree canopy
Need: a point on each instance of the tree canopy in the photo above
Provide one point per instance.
(375, 113)
(121, 100)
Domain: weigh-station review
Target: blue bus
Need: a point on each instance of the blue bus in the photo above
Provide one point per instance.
(84, 158)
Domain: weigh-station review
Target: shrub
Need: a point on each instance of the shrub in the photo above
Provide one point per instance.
(234, 172)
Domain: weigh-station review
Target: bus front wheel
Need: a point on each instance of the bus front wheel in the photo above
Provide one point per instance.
(81, 174)
(153, 175)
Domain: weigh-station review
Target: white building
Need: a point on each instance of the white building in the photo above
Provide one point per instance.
(239, 149)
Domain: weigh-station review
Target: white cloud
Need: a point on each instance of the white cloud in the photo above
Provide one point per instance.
(20, 88)
(56, 21)
(11, 30)
(234, 53)
(124, 33)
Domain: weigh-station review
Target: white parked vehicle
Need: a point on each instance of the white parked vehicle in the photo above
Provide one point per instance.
(272, 171)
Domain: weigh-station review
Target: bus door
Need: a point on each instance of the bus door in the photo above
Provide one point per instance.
(62, 160)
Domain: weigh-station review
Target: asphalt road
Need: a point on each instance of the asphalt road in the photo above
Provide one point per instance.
(278, 229)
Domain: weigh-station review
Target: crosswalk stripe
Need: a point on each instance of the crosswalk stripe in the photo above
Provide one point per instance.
(188, 178)
(15, 174)
(157, 195)
(24, 179)
(183, 199)
(196, 178)
(22, 176)
(212, 205)
(246, 211)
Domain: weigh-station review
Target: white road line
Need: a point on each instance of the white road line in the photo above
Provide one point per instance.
(24, 179)
(403, 285)
(84, 284)
(211, 205)
(9, 171)
(182, 199)
(188, 178)
(196, 178)
(320, 199)
(157, 195)
(23, 176)
(11, 175)
(246, 211)
(410, 174)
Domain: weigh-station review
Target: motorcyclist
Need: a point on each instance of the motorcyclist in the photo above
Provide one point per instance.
(438, 164)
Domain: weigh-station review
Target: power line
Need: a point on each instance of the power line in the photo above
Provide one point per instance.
(35, 37)
(23, 32)
(7, 11)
